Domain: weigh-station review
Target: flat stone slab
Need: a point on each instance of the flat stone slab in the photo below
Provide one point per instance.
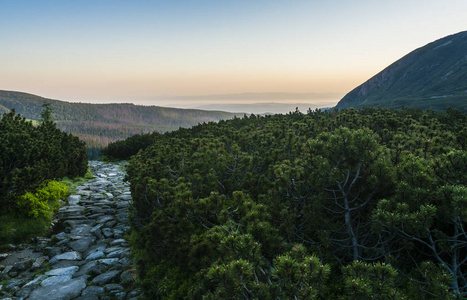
(60, 291)
(82, 244)
(72, 255)
(106, 277)
(55, 280)
(74, 199)
(69, 271)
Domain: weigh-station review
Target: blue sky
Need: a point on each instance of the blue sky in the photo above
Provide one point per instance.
(131, 50)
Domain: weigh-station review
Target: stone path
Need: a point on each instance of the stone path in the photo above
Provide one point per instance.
(89, 257)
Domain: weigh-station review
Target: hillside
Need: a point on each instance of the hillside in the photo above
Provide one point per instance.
(431, 77)
(99, 124)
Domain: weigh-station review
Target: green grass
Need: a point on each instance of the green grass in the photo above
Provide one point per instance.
(15, 229)
(18, 227)
(72, 183)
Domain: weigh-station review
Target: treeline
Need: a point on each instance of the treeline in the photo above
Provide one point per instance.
(110, 122)
(340, 204)
(30, 157)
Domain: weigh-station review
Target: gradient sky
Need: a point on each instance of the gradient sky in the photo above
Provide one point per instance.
(127, 51)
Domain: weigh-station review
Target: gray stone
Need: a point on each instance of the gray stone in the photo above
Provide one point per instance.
(69, 271)
(118, 242)
(106, 277)
(61, 236)
(117, 253)
(107, 232)
(105, 219)
(124, 197)
(113, 287)
(113, 249)
(35, 282)
(95, 255)
(67, 263)
(90, 297)
(21, 266)
(60, 291)
(99, 246)
(53, 251)
(3, 256)
(93, 290)
(81, 230)
(82, 244)
(92, 268)
(110, 224)
(72, 255)
(108, 261)
(95, 197)
(77, 223)
(7, 269)
(39, 262)
(74, 199)
(126, 278)
(14, 283)
(53, 280)
(123, 204)
(119, 296)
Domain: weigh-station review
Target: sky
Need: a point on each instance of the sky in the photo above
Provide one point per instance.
(154, 52)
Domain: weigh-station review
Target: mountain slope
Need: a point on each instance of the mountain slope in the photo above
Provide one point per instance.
(431, 77)
(99, 124)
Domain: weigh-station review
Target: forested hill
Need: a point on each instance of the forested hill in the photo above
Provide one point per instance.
(99, 124)
(431, 77)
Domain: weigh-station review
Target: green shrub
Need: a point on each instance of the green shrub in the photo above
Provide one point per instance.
(44, 201)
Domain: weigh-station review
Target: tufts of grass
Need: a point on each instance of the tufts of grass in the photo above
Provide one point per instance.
(15, 228)
(72, 183)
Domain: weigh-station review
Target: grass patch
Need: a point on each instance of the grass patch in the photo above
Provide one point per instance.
(72, 183)
(15, 228)
(34, 213)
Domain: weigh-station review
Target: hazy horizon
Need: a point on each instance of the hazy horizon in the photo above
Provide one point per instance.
(168, 53)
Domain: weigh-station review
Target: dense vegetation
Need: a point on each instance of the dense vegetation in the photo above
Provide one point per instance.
(367, 204)
(31, 157)
(431, 77)
(100, 124)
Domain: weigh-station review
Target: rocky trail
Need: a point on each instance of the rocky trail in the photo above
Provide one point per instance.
(87, 257)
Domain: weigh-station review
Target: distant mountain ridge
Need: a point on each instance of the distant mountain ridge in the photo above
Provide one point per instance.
(431, 77)
(99, 124)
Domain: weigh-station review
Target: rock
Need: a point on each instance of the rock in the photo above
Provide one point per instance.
(82, 244)
(53, 251)
(69, 271)
(74, 199)
(21, 266)
(105, 219)
(107, 232)
(95, 255)
(81, 230)
(93, 290)
(67, 263)
(106, 277)
(55, 280)
(126, 278)
(113, 287)
(123, 204)
(117, 253)
(3, 256)
(60, 291)
(61, 236)
(118, 242)
(72, 255)
(39, 262)
(108, 261)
